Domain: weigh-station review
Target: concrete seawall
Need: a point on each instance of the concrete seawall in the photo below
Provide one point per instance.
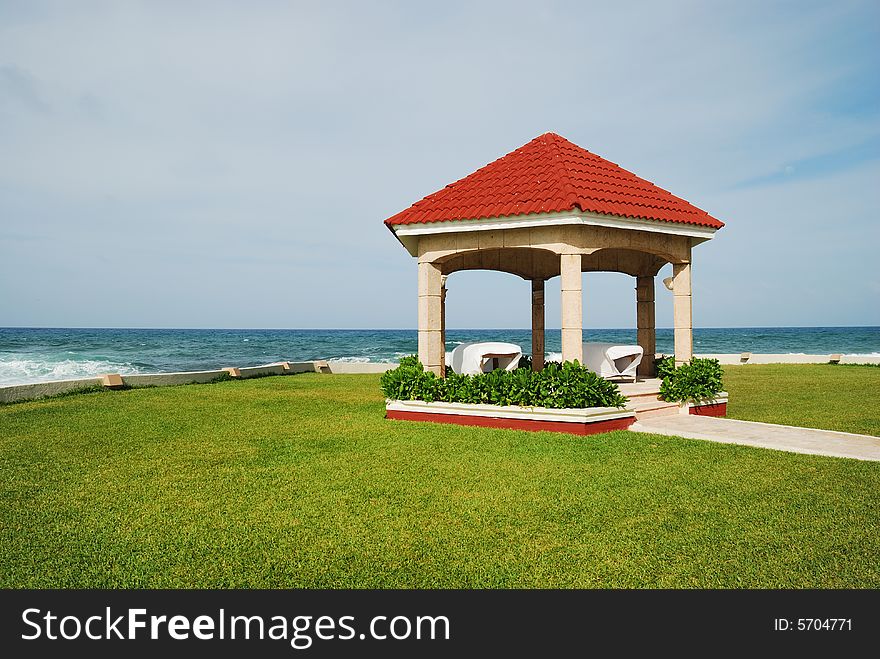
(749, 358)
(170, 379)
(729, 359)
(360, 367)
(42, 389)
(20, 392)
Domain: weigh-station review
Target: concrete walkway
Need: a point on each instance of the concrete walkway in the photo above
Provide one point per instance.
(765, 435)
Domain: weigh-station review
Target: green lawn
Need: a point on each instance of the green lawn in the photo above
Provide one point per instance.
(299, 482)
(845, 397)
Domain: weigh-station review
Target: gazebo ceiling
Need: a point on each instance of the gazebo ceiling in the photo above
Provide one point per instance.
(552, 175)
(530, 263)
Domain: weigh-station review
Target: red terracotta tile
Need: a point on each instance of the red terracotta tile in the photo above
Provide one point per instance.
(551, 174)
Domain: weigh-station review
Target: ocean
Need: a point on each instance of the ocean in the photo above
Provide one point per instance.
(40, 354)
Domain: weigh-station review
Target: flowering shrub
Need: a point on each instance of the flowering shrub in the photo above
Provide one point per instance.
(697, 380)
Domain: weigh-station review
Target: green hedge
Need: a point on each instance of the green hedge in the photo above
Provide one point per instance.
(566, 385)
(697, 380)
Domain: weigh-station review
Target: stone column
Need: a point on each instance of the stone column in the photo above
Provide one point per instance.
(430, 318)
(572, 309)
(443, 325)
(537, 324)
(682, 310)
(646, 324)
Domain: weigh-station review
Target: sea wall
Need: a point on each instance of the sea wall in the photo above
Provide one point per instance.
(41, 389)
(20, 392)
(169, 379)
(749, 358)
(738, 358)
(359, 367)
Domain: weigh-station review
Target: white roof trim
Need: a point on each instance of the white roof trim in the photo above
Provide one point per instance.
(552, 219)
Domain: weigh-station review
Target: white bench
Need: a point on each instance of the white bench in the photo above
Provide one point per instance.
(474, 358)
(611, 360)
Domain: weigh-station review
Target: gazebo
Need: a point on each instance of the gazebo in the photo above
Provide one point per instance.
(552, 208)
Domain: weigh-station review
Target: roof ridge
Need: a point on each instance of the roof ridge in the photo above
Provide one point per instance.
(563, 172)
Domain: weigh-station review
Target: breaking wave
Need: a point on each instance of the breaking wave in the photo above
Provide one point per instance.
(20, 371)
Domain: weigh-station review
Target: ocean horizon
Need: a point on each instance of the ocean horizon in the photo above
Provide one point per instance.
(39, 354)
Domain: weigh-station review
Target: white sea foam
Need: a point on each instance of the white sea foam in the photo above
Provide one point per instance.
(16, 370)
(350, 360)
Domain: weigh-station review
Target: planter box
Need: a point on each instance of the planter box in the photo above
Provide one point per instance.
(715, 407)
(586, 421)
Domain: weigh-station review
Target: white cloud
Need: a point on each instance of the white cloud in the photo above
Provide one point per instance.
(190, 134)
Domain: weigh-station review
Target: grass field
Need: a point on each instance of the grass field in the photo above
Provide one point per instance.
(845, 398)
(299, 482)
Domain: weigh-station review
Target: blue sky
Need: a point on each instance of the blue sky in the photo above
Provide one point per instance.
(211, 164)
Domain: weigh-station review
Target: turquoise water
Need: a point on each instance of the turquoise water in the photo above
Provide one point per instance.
(36, 354)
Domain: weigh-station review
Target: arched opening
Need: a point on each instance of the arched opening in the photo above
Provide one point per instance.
(526, 262)
(486, 299)
(628, 261)
(486, 306)
(605, 311)
(608, 309)
(482, 305)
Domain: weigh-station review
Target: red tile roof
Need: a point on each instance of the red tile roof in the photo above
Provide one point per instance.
(551, 174)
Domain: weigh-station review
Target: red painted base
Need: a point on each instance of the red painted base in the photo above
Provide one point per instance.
(515, 424)
(714, 409)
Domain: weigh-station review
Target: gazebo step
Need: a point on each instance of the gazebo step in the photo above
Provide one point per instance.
(641, 390)
(656, 408)
(639, 398)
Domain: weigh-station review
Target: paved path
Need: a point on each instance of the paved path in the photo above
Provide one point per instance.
(766, 435)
